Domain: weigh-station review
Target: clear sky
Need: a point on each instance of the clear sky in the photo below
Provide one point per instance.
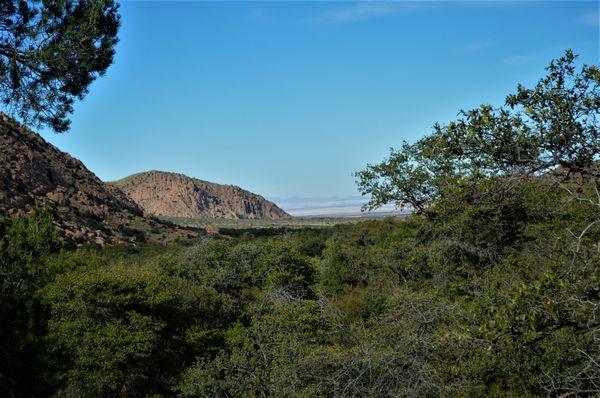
(288, 99)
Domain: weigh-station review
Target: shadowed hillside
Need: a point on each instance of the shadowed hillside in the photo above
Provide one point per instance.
(34, 172)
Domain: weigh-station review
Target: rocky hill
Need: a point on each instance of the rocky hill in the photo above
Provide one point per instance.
(177, 195)
(86, 210)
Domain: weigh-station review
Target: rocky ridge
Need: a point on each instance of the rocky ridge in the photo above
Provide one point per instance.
(176, 195)
(86, 210)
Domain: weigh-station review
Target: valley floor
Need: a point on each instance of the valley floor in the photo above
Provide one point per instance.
(294, 223)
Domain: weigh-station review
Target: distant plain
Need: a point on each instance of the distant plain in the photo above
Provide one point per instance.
(294, 223)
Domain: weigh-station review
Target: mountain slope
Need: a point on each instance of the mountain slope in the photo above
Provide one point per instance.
(35, 173)
(177, 195)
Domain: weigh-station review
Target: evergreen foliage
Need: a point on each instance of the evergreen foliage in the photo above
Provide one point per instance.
(50, 52)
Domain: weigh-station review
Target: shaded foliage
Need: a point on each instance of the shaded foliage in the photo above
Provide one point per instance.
(23, 243)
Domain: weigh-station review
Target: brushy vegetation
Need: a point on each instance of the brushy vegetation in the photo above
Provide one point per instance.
(472, 303)
(492, 289)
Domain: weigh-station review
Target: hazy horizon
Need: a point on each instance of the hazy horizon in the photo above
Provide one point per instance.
(288, 99)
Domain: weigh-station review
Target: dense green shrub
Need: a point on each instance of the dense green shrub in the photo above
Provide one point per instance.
(128, 329)
(23, 243)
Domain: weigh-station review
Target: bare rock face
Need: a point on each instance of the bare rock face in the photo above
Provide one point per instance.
(35, 173)
(176, 195)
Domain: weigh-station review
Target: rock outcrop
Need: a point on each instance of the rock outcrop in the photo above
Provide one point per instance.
(176, 195)
(86, 210)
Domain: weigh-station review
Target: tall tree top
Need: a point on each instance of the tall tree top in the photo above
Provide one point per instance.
(50, 52)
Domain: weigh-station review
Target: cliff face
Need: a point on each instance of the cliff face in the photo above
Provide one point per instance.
(35, 173)
(177, 195)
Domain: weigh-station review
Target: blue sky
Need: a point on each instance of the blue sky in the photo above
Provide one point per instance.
(288, 99)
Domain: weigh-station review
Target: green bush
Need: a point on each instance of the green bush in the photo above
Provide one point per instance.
(125, 329)
(23, 244)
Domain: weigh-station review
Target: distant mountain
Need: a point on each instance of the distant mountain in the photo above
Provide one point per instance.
(176, 195)
(86, 210)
